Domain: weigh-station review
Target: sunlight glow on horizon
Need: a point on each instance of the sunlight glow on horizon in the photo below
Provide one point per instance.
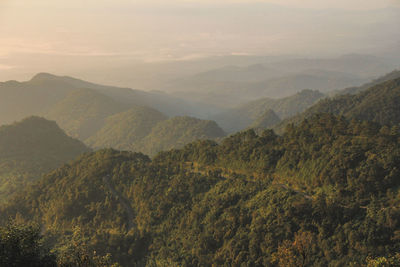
(84, 32)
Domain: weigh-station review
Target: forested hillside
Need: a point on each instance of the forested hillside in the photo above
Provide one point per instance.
(83, 112)
(105, 116)
(324, 193)
(380, 103)
(266, 120)
(124, 130)
(176, 132)
(190, 133)
(30, 148)
(244, 116)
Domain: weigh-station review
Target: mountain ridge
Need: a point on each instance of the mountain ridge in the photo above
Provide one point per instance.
(30, 148)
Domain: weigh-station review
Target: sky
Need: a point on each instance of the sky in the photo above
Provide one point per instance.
(60, 34)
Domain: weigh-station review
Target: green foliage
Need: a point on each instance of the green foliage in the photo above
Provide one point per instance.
(380, 103)
(103, 116)
(177, 132)
(30, 148)
(390, 261)
(126, 129)
(266, 120)
(22, 245)
(326, 193)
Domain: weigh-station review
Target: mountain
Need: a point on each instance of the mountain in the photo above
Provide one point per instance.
(353, 90)
(38, 95)
(105, 116)
(83, 112)
(165, 103)
(30, 148)
(176, 132)
(251, 73)
(287, 85)
(244, 116)
(21, 99)
(125, 129)
(358, 65)
(148, 131)
(266, 120)
(380, 103)
(239, 88)
(233, 85)
(324, 193)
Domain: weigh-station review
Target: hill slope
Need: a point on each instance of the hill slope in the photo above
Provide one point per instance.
(354, 90)
(165, 103)
(36, 96)
(102, 116)
(83, 112)
(123, 130)
(266, 120)
(176, 132)
(21, 99)
(380, 103)
(328, 184)
(242, 117)
(235, 92)
(30, 148)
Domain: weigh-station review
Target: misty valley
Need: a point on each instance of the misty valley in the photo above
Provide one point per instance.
(199, 133)
(95, 175)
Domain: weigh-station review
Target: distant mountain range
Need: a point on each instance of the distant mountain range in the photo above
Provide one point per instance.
(324, 192)
(353, 90)
(244, 116)
(122, 118)
(232, 85)
(104, 116)
(43, 91)
(307, 102)
(228, 93)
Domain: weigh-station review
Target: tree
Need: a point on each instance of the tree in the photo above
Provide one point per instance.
(22, 245)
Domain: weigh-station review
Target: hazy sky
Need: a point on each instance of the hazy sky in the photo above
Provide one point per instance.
(34, 34)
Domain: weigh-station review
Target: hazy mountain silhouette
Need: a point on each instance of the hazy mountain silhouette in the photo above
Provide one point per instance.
(31, 147)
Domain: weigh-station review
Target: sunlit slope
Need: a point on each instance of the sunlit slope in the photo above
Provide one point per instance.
(380, 103)
(176, 132)
(327, 184)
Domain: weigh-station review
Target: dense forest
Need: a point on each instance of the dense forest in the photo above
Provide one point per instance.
(148, 131)
(379, 103)
(190, 133)
(326, 192)
(31, 148)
